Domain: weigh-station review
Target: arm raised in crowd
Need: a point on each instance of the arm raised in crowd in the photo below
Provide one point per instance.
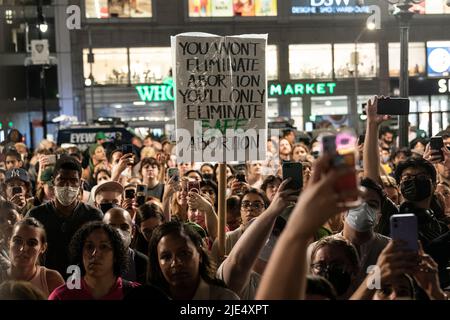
(170, 189)
(124, 161)
(196, 201)
(371, 158)
(285, 274)
(238, 265)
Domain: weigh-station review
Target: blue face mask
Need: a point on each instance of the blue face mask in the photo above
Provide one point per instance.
(362, 218)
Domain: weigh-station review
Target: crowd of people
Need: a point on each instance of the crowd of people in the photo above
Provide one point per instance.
(136, 224)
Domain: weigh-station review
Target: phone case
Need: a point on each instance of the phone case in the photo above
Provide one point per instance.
(293, 170)
(393, 106)
(404, 228)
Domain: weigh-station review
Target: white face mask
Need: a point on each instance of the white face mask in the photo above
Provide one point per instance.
(66, 195)
(126, 237)
(362, 218)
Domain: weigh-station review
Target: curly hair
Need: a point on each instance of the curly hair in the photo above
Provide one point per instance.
(120, 264)
(155, 275)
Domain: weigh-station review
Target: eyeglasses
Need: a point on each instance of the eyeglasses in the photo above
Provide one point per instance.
(322, 267)
(412, 176)
(256, 205)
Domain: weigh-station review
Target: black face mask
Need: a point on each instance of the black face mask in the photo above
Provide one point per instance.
(339, 279)
(416, 189)
(207, 176)
(104, 207)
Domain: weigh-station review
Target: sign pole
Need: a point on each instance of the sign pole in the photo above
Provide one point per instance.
(222, 208)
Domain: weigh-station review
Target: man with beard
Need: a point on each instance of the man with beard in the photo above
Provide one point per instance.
(386, 138)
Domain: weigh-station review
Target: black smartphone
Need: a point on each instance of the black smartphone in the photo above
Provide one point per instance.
(141, 194)
(130, 193)
(329, 145)
(393, 106)
(361, 139)
(293, 170)
(436, 145)
(127, 148)
(194, 186)
(16, 190)
(240, 177)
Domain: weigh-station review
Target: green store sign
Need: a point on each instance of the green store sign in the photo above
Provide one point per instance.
(164, 92)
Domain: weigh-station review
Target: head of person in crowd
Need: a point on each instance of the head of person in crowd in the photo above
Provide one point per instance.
(46, 191)
(120, 219)
(418, 145)
(148, 217)
(108, 195)
(166, 146)
(319, 288)
(365, 217)
(149, 170)
(13, 160)
(114, 157)
(148, 141)
(47, 144)
(255, 170)
(179, 205)
(417, 180)
(100, 137)
(97, 153)
(76, 153)
(386, 137)
(385, 155)
(209, 189)
(400, 155)
(17, 187)
(229, 171)
(194, 175)
(22, 149)
(270, 186)
(391, 190)
(299, 152)
(98, 249)
(20, 290)
(2, 176)
(102, 175)
(178, 260)
(207, 171)
(184, 167)
(315, 148)
(148, 152)
(233, 212)
(289, 135)
(137, 142)
(398, 288)
(198, 216)
(67, 181)
(335, 259)
(8, 218)
(253, 203)
(285, 149)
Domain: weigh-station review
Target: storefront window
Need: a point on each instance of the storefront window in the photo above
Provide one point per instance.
(297, 112)
(272, 62)
(272, 109)
(431, 7)
(232, 8)
(310, 61)
(344, 62)
(438, 57)
(416, 57)
(104, 9)
(110, 66)
(322, 106)
(440, 103)
(150, 65)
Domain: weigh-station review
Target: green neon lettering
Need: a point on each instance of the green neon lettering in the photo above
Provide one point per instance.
(288, 90)
(275, 89)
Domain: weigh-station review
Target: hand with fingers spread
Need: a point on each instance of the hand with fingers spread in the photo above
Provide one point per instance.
(282, 198)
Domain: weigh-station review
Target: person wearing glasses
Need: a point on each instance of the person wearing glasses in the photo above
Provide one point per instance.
(98, 249)
(253, 203)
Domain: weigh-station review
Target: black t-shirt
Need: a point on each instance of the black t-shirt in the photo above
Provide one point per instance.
(60, 231)
(157, 191)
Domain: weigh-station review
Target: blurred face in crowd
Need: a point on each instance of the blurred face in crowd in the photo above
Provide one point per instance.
(182, 194)
(148, 225)
(388, 137)
(384, 156)
(66, 178)
(22, 150)
(120, 219)
(8, 217)
(207, 170)
(184, 167)
(209, 192)
(26, 246)
(179, 261)
(197, 216)
(104, 197)
(148, 142)
(116, 157)
(229, 173)
(393, 194)
(167, 148)
(419, 147)
(99, 154)
(290, 137)
(98, 255)
(194, 176)
(252, 205)
(272, 189)
(103, 177)
(400, 157)
(416, 173)
(398, 288)
(255, 168)
(49, 191)
(15, 183)
(150, 172)
(13, 163)
(299, 154)
(285, 147)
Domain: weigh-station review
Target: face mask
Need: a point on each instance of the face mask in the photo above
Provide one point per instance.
(104, 207)
(126, 237)
(385, 159)
(416, 189)
(66, 195)
(207, 176)
(339, 279)
(362, 218)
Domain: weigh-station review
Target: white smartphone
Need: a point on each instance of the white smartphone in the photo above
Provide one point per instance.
(404, 228)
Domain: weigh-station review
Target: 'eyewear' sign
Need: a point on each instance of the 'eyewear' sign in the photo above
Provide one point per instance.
(328, 7)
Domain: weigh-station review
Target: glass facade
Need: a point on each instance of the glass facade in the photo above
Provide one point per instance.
(232, 8)
(105, 9)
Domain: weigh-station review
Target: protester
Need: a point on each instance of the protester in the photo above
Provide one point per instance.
(9, 216)
(148, 217)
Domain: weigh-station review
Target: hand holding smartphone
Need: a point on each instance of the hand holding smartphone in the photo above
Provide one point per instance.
(293, 170)
(130, 194)
(436, 145)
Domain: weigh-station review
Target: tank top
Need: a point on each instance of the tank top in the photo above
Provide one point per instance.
(40, 280)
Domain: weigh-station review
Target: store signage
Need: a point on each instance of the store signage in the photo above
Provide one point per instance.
(302, 89)
(444, 85)
(155, 92)
(328, 7)
(438, 59)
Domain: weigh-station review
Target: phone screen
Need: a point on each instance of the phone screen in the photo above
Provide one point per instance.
(130, 193)
(436, 145)
(393, 106)
(404, 228)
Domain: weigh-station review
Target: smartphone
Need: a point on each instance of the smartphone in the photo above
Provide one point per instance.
(141, 194)
(393, 106)
(329, 145)
(361, 139)
(127, 148)
(193, 186)
(436, 145)
(16, 190)
(240, 177)
(173, 172)
(51, 159)
(130, 193)
(404, 228)
(293, 170)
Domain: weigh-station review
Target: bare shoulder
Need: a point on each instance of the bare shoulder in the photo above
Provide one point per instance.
(54, 279)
